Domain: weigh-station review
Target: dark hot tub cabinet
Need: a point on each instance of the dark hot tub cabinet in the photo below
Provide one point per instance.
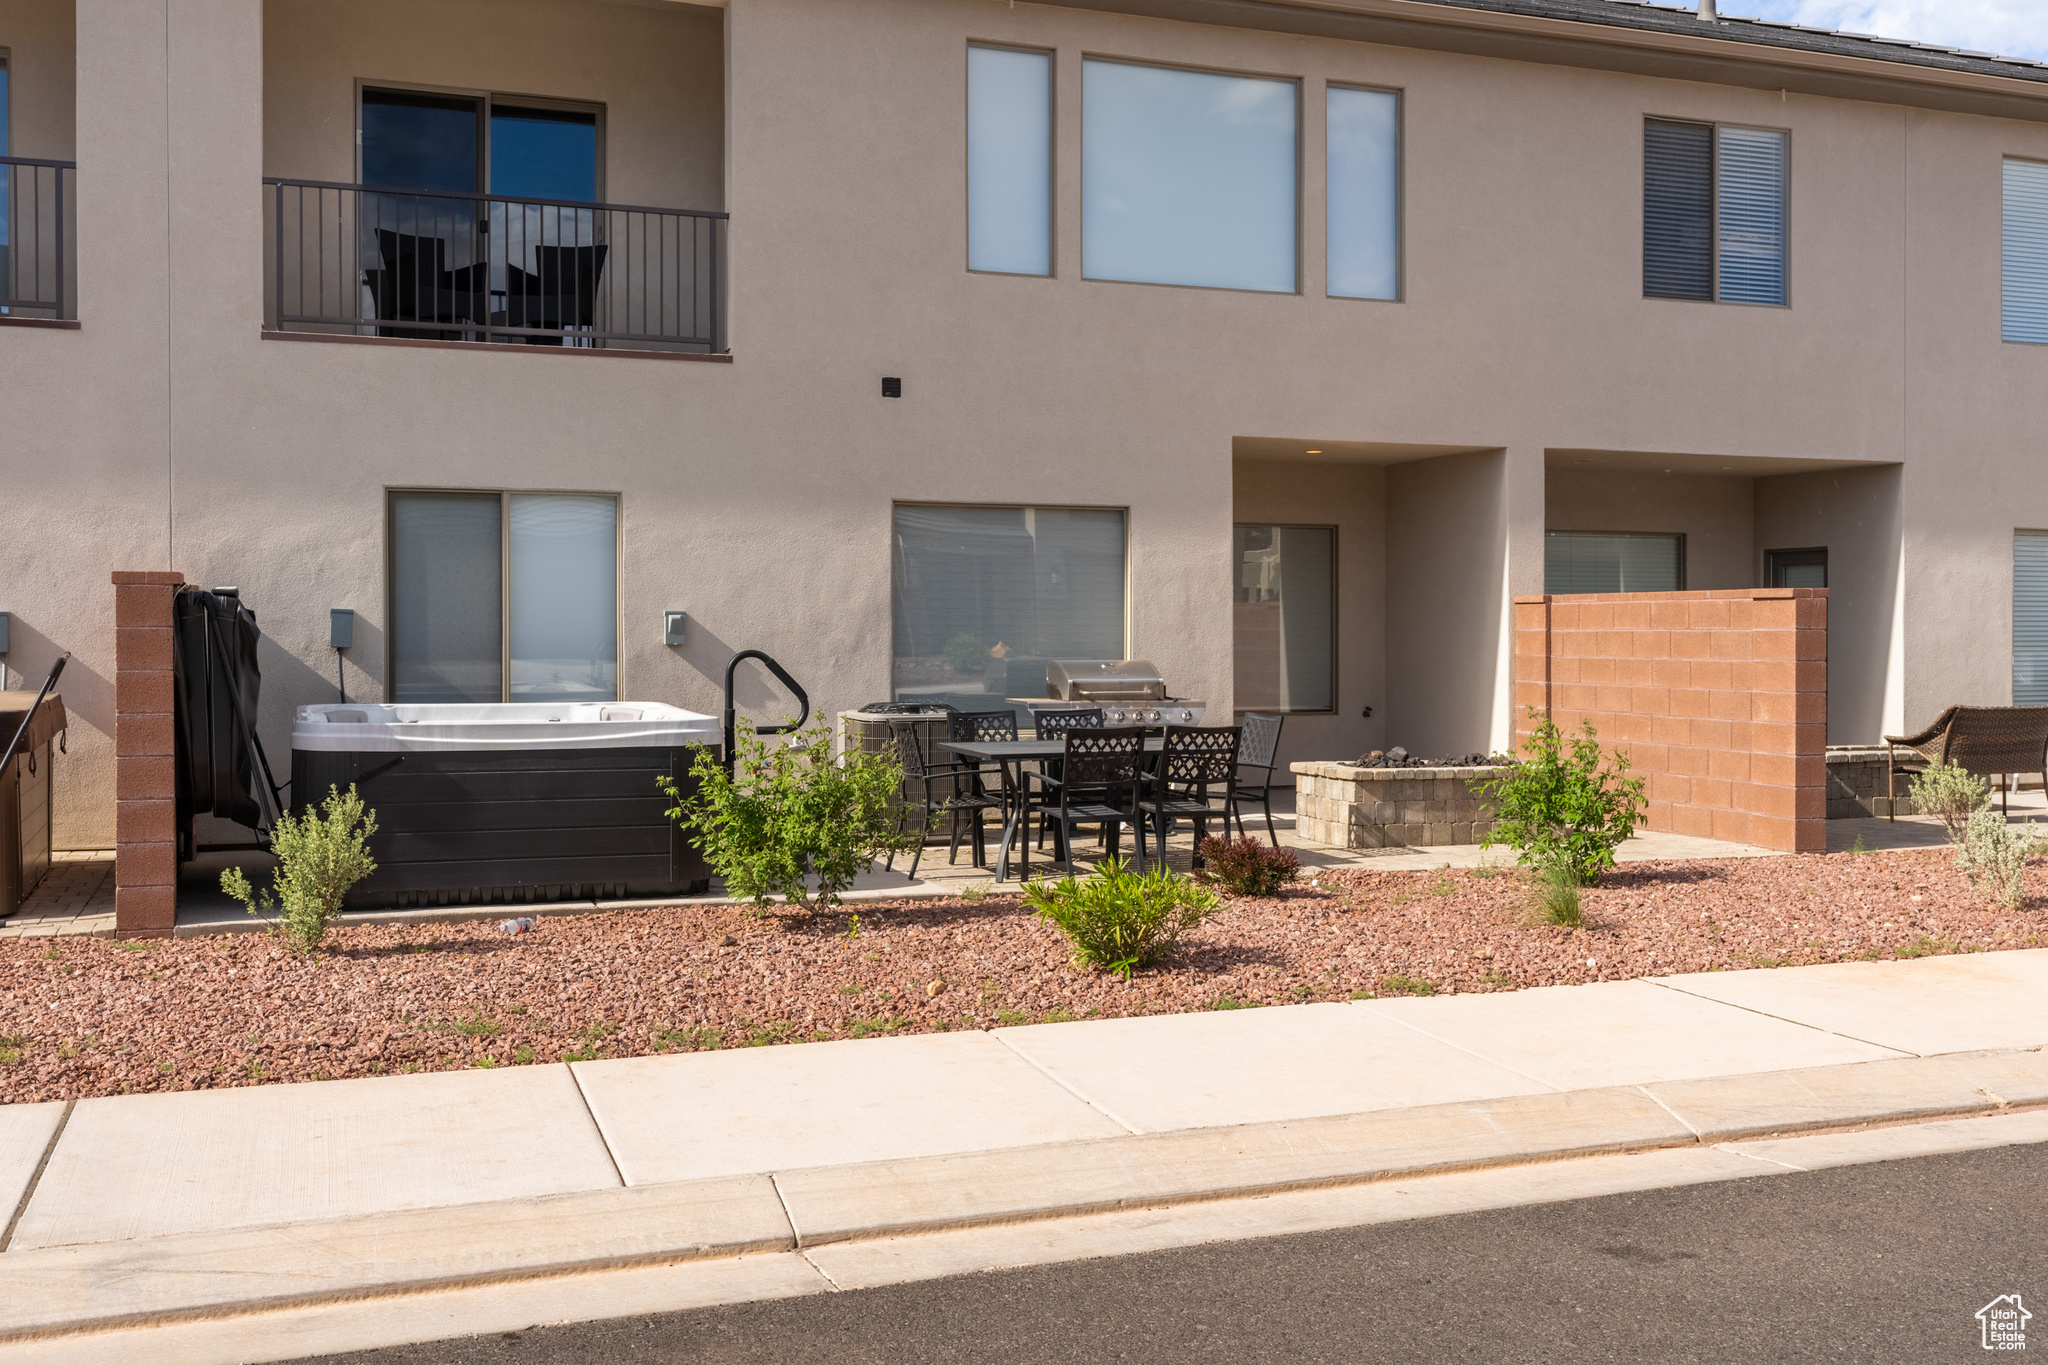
(509, 803)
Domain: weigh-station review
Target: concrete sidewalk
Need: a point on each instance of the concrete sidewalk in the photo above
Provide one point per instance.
(177, 1207)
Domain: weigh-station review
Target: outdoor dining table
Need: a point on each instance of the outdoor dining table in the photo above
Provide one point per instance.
(1011, 755)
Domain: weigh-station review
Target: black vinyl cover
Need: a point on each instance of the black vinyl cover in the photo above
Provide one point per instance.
(213, 663)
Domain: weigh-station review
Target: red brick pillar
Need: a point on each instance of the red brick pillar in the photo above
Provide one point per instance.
(1532, 663)
(145, 786)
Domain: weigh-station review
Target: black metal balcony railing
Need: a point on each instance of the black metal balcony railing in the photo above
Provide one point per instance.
(34, 238)
(484, 267)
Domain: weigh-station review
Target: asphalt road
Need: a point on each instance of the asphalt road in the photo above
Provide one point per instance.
(1876, 1263)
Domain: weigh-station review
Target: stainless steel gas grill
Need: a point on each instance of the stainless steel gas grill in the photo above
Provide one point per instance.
(1129, 691)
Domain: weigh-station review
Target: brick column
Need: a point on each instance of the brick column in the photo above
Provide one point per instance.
(145, 786)
(1532, 663)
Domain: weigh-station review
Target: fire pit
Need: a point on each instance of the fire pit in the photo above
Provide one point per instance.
(1393, 800)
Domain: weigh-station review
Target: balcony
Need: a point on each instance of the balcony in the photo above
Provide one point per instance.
(37, 250)
(444, 265)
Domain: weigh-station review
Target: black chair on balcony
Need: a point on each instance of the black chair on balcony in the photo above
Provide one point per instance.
(1257, 753)
(559, 295)
(1197, 767)
(416, 285)
(1100, 775)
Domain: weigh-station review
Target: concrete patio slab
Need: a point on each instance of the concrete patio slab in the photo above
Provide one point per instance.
(692, 1115)
(192, 1161)
(1911, 1006)
(1255, 1066)
(1618, 1033)
(25, 1132)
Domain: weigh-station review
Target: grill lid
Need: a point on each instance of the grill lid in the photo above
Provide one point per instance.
(1104, 680)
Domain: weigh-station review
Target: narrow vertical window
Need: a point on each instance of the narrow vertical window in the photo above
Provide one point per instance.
(1364, 198)
(2025, 271)
(2030, 618)
(1188, 177)
(1284, 618)
(447, 580)
(1678, 210)
(1009, 161)
(1751, 215)
(563, 573)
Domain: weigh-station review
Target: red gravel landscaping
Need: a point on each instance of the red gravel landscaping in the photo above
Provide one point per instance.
(93, 1017)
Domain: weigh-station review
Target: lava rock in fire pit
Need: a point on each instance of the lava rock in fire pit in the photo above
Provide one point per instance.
(1398, 757)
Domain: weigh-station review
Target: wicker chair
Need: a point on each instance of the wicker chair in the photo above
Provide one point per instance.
(1197, 766)
(1098, 784)
(1989, 741)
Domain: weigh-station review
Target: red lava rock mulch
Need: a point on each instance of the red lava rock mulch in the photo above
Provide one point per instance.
(93, 1017)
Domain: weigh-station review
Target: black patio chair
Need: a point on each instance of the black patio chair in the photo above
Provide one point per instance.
(1054, 724)
(1255, 753)
(979, 727)
(560, 293)
(416, 285)
(956, 803)
(1197, 766)
(1099, 784)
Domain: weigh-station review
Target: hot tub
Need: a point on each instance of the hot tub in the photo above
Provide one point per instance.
(511, 803)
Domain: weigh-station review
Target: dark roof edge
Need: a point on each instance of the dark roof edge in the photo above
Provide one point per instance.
(1490, 28)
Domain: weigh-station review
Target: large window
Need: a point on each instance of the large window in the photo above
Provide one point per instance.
(1364, 209)
(1009, 161)
(2025, 274)
(1284, 626)
(1188, 177)
(1582, 561)
(1715, 218)
(504, 597)
(2030, 618)
(986, 596)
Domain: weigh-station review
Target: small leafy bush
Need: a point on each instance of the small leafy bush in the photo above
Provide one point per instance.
(791, 813)
(1121, 920)
(1246, 867)
(1554, 898)
(1560, 807)
(1952, 793)
(1994, 856)
(964, 653)
(320, 855)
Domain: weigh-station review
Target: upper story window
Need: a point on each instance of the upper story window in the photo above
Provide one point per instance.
(1009, 161)
(421, 140)
(1715, 216)
(1364, 188)
(2025, 273)
(1188, 177)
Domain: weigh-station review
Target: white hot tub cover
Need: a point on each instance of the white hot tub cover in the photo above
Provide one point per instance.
(363, 728)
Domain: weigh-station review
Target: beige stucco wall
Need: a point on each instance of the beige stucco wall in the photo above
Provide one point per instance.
(1715, 513)
(756, 495)
(657, 68)
(1352, 499)
(37, 37)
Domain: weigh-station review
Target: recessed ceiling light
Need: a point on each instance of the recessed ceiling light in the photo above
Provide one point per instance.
(1311, 452)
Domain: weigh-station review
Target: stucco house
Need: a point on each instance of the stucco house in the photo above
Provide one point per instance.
(920, 341)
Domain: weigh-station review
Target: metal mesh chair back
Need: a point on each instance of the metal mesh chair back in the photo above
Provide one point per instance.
(1261, 740)
(1102, 757)
(981, 727)
(1199, 756)
(909, 752)
(1055, 724)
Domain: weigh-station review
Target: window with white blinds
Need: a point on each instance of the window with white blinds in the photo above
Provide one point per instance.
(1716, 224)
(1588, 561)
(2030, 618)
(2025, 274)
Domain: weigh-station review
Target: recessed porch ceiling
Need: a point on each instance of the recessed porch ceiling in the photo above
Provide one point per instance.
(1673, 462)
(1301, 449)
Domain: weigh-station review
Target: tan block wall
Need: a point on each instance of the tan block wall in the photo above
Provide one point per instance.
(1340, 806)
(145, 783)
(1719, 699)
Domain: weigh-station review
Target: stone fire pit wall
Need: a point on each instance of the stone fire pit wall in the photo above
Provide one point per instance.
(1340, 806)
(1720, 699)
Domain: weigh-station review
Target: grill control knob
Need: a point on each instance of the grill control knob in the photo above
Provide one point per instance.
(1188, 716)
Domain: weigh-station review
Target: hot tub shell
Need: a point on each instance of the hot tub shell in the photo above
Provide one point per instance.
(509, 803)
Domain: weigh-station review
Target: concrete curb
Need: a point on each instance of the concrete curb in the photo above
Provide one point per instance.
(68, 1290)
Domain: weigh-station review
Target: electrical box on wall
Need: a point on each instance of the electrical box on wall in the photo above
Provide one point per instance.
(672, 627)
(6, 617)
(341, 628)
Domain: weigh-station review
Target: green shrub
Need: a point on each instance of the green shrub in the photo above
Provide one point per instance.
(964, 653)
(318, 860)
(1994, 856)
(1953, 794)
(1121, 920)
(1555, 898)
(1559, 807)
(1246, 867)
(792, 813)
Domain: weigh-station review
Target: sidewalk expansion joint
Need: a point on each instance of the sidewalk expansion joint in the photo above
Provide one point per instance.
(823, 1273)
(29, 1192)
(1033, 1063)
(1665, 982)
(596, 1127)
(796, 1239)
(1658, 1100)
